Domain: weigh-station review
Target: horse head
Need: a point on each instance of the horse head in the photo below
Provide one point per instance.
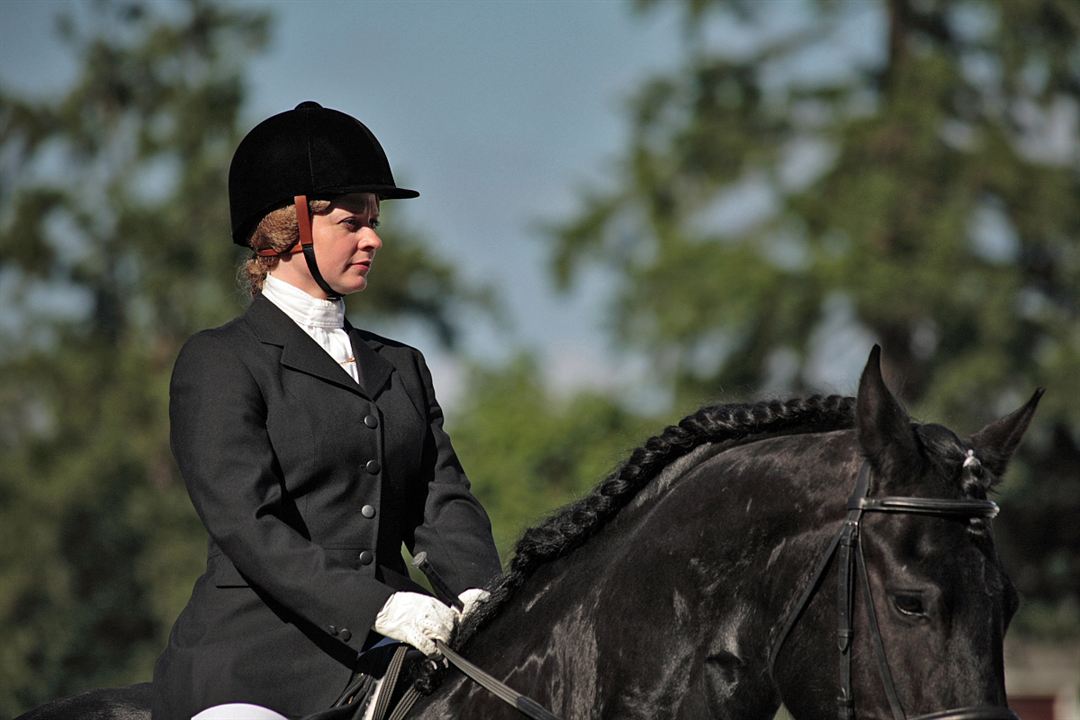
(914, 610)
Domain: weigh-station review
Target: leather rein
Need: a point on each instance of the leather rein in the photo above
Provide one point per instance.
(522, 703)
(849, 551)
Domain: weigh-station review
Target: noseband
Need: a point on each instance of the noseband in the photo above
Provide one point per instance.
(845, 543)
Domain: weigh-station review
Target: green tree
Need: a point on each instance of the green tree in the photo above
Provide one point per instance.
(115, 246)
(785, 199)
(529, 451)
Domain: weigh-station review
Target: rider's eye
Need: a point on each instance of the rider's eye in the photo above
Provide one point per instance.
(353, 223)
(911, 605)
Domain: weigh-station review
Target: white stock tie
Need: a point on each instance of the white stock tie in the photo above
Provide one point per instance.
(322, 320)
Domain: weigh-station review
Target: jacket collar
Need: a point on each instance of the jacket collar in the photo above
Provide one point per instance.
(301, 353)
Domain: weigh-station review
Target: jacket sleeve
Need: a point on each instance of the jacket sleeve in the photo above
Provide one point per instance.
(220, 440)
(454, 530)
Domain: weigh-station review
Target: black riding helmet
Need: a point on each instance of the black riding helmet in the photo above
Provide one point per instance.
(307, 153)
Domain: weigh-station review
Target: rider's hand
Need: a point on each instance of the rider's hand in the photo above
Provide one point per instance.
(416, 619)
(471, 598)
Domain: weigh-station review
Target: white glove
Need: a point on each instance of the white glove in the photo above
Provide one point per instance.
(416, 619)
(470, 599)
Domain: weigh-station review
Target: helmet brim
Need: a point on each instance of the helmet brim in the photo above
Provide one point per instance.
(383, 192)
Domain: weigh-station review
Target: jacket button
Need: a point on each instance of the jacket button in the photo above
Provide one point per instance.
(344, 634)
(373, 467)
(368, 511)
(365, 557)
(332, 629)
(371, 421)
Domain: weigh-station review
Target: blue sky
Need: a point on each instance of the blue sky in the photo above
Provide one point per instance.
(498, 112)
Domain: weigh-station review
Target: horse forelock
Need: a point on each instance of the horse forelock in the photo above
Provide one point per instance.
(656, 463)
(956, 462)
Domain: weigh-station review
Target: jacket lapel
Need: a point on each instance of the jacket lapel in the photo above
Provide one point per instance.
(302, 354)
(374, 369)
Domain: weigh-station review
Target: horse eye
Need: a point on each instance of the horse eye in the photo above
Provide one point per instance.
(909, 605)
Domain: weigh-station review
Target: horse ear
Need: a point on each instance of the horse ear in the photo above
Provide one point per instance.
(996, 443)
(881, 424)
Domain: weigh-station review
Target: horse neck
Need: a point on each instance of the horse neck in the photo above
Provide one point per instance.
(678, 595)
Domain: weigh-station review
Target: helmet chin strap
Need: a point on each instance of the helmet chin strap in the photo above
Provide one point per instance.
(303, 221)
(307, 246)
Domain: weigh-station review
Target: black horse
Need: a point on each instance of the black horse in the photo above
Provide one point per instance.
(713, 576)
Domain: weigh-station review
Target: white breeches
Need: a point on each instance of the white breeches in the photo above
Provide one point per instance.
(245, 711)
(238, 711)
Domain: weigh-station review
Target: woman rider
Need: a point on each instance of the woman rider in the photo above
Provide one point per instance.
(311, 449)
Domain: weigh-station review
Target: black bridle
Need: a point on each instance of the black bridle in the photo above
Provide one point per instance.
(845, 543)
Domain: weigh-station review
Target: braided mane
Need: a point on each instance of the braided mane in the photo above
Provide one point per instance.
(571, 526)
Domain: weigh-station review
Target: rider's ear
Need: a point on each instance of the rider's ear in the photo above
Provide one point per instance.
(997, 442)
(883, 426)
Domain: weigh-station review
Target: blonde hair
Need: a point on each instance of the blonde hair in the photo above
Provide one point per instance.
(276, 231)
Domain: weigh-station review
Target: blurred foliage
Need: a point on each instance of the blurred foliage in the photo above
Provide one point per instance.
(818, 175)
(528, 451)
(115, 247)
